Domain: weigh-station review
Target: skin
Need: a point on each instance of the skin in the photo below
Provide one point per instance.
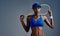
(37, 31)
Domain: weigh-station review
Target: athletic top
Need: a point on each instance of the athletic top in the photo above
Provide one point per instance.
(37, 23)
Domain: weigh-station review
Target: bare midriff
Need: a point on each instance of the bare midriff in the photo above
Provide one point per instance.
(37, 31)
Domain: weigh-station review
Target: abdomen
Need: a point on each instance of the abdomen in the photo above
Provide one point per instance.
(37, 31)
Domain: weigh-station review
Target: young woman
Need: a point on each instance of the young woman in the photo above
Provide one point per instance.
(36, 22)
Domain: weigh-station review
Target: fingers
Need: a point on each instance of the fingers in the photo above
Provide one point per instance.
(50, 12)
(21, 17)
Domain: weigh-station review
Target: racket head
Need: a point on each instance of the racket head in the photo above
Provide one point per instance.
(44, 9)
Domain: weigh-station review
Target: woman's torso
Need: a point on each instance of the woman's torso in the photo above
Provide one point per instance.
(37, 30)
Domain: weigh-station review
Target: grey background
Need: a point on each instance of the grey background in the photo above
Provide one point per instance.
(10, 10)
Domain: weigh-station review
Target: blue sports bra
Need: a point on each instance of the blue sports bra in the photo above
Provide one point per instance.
(37, 23)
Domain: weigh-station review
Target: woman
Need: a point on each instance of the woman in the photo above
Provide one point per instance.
(36, 22)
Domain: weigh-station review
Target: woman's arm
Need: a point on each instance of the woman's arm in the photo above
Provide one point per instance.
(27, 26)
(51, 22)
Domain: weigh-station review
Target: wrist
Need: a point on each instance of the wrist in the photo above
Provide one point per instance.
(51, 17)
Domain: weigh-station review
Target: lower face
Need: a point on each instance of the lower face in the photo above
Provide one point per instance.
(36, 9)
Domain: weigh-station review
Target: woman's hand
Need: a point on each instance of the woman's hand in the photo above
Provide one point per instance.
(50, 12)
(21, 18)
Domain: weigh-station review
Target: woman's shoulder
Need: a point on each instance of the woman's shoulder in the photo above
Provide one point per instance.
(29, 16)
(44, 17)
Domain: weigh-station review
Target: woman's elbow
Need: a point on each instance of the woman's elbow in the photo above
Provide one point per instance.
(27, 30)
(52, 27)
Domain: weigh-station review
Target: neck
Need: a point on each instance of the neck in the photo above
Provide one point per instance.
(36, 14)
